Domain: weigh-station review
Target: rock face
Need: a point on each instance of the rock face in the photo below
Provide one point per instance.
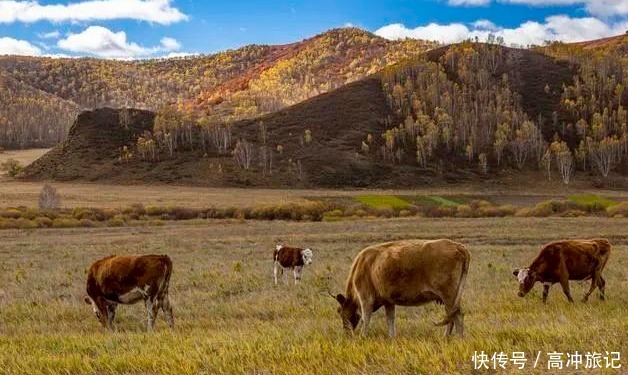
(93, 143)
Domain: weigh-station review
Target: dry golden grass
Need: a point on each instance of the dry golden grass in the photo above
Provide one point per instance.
(231, 319)
(25, 157)
(16, 193)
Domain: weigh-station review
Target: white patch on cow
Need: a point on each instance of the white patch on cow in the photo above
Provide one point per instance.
(523, 273)
(134, 294)
(279, 247)
(307, 256)
(94, 307)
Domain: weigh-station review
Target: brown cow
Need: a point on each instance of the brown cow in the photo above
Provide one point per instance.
(405, 273)
(128, 279)
(291, 257)
(561, 261)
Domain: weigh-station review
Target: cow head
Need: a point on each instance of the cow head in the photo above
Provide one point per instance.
(307, 256)
(100, 310)
(348, 312)
(526, 278)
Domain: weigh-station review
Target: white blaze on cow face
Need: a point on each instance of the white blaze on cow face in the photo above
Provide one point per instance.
(307, 256)
(279, 247)
(522, 275)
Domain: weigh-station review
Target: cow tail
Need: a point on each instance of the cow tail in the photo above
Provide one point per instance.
(163, 289)
(463, 278)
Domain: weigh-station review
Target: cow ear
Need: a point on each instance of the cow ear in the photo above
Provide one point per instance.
(341, 299)
(87, 300)
(515, 271)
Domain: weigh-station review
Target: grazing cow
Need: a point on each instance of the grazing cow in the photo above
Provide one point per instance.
(293, 258)
(405, 273)
(561, 261)
(128, 279)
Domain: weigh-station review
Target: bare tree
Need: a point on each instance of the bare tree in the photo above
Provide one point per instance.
(564, 160)
(49, 198)
(243, 154)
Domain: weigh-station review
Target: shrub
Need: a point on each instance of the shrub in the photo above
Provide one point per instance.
(65, 223)
(181, 213)
(12, 167)
(43, 222)
(440, 211)
(49, 198)
(7, 224)
(11, 213)
(87, 223)
(155, 211)
(405, 213)
(94, 214)
(547, 208)
(25, 223)
(618, 210)
(30, 213)
(464, 210)
(524, 212)
(591, 203)
(135, 210)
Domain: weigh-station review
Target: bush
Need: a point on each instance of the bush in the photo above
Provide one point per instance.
(547, 208)
(43, 222)
(524, 212)
(464, 210)
(30, 213)
(182, 213)
(65, 223)
(12, 167)
(155, 211)
(11, 213)
(25, 224)
(94, 214)
(618, 210)
(87, 223)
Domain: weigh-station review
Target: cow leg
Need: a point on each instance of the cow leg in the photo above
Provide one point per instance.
(152, 307)
(546, 288)
(564, 282)
(449, 328)
(601, 283)
(459, 323)
(595, 279)
(111, 314)
(367, 310)
(164, 304)
(297, 274)
(390, 319)
(276, 271)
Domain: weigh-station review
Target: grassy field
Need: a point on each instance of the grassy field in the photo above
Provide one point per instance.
(231, 319)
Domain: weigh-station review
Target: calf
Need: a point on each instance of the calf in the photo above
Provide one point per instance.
(293, 258)
(405, 273)
(561, 261)
(128, 279)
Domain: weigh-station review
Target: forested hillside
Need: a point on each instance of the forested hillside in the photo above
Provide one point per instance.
(469, 111)
(222, 87)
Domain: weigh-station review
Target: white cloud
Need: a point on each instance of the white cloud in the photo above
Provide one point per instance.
(158, 11)
(484, 25)
(469, 2)
(603, 8)
(560, 27)
(50, 35)
(102, 42)
(10, 46)
(170, 44)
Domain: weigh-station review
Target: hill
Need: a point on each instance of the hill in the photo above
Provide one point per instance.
(226, 86)
(466, 112)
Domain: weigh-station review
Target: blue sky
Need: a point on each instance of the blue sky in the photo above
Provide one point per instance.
(155, 28)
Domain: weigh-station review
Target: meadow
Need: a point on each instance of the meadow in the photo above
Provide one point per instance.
(230, 318)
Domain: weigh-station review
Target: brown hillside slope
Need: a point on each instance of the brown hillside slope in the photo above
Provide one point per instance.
(425, 121)
(226, 86)
(93, 143)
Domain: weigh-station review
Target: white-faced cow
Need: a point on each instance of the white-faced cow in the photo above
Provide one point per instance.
(291, 258)
(561, 261)
(405, 273)
(128, 279)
